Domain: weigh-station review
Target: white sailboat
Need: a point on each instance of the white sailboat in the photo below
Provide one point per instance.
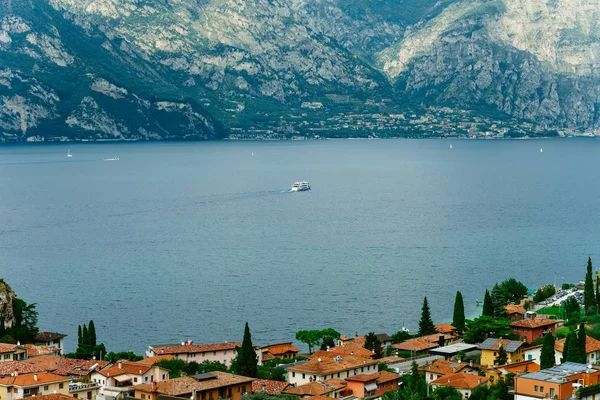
(450, 146)
(69, 155)
(541, 150)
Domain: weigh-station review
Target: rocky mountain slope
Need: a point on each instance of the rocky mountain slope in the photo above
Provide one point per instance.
(150, 69)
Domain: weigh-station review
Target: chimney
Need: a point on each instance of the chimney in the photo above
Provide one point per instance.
(120, 366)
(453, 369)
(35, 377)
(154, 387)
(471, 363)
(194, 394)
(16, 372)
(479, 380)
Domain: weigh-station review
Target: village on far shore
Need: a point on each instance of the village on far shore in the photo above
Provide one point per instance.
(524, 345)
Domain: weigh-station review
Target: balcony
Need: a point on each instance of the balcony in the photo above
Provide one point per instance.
(83, 386)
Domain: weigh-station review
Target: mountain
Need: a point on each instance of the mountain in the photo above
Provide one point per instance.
(202, 69)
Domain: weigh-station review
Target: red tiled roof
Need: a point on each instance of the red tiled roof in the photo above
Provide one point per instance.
(8, 348)
(325, 366)
(125, 368)
(461, 381)
(416, 344)
(186, 384)
(510, 309)
(196, 348)
(531, 323)
(73, 366)
(380, 377)
(37, 378)
(8, 367)
(152, 360)
(45, 363)
(49, 336)
(33, 350)
(54, 396)
(344, 351)
(268, 386)
(281, 348)
(310, 389)
(444, 367)
(445, 328)
(591, 345)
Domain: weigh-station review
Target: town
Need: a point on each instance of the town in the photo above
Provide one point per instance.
(524, 345)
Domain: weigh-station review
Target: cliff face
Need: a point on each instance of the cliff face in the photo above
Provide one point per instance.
(531, 60)
(131, 69)
(6, 305)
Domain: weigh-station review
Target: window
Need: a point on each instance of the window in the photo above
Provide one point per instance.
(76, 395)
(338, 374)
(229, 392)
(529, 357)
(314, 378)
(89, 395)
(551, 392)
(45, 387)
(225, 352)
(145, 379)
(362, 369)
(541, 389)
(203, 354)
(535, 388)
(431, 377)
(60, 385)
(135, 378)
(243, 389)
(303, 376)
(214, 353)
(143, 396)
(466, 395)
(293, 374)
(495, 354)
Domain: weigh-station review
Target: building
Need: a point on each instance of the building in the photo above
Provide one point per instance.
(211, 386)
(559, 382)
(490, 347)
(499, 372)
(385, 340)
(69, 367)
(36, 351)
(52, 339)
(440, 368)
(269, 387)
(119, 379)
(12, 352)
(464, 383)
(371, 385)
(332, 388)
(446, 329)
(592, 349)
(425, 343)
(187, 351)
(54, 396)
(321, 369)
(84, 391)
(530, 329)
(515, 313)
(350, 349)
(20, 386)
(284, 351)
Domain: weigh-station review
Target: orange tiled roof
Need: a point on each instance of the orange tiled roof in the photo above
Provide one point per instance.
(49, 336)
(33, 350)
(391, 359)
(515, 309)
(519, 367)
(8, 367)
(336, 384)
(445, 328)
(54, 396)
(281, 348)
(591, 345)
(461, 381)
(45, 363)
(8, 348)
(444, 367)
(153, 360)
(33, 379)
(310, 389)
(359, 340)
(325, 366)
(186, 384)
(533, 323)
(268, 386)
(318, 398)
(73, 366)
(125, 368)
(344, 351)
(380, 377)
(416, 344)
(196, 348)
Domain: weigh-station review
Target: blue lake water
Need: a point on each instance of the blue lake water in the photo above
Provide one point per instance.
(189, 240)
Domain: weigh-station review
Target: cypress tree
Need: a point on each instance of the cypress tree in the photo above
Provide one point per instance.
(85, 339)
(488, 307)
(79, 337)
(582, 348)
(426, 326)
(92, 334)
(502, 356)
(246, 358)
(565, 350)
(458, 318)
(589, 299)
(373, 344)
(547, 357)
(574, 354)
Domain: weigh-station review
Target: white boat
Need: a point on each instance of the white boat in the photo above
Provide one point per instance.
(541, 150)
(450, 146)
(111, 159)
(69, 155)
(300, 186)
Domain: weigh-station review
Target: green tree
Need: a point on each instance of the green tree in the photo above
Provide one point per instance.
(79, 336)
(480, 393)
(499, 301)
(482, 328)
(488, 307)
(512, 291)
(572, 310)
(458, 318)
(446, 393)
(401, 336)
(113, 357)
(246, 358)
(426, 326)
(598, 293)
(543, 293)
(309, 337)
(548, 356)
(92, 334)
(373, 344)
(574, 351)
(581, 338)
(175, 366)
(502, 357)
(209, 366)
(85, 337)
(589, 298)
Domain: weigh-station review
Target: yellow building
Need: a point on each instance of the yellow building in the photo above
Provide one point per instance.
(35, 384)
(490, 349)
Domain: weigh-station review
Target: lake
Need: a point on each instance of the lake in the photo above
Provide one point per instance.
(179, 241)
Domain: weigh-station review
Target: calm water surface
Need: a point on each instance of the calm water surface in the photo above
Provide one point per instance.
(188, 240)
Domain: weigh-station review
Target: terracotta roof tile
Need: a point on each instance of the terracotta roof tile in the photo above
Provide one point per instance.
(8, 367)
(515, 309)
(351, 349)
(310, 389)
(281, 348)
(391, 359)
(45, 363)
(318, 398)
(325, 366)
(445, 328)
(336, 384)
(8, 348)
(153, 360)
(125, 368)
(591, 345)
(25, 380)
(386, 376)
(268, 386)
(416, 344)
(49, 336)
(461, 381)
(73, 366)
(185, 385)
(54, 396)
(534, 323)
(195, 348)
(444, 367)
(33, 350)
(380, 377)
